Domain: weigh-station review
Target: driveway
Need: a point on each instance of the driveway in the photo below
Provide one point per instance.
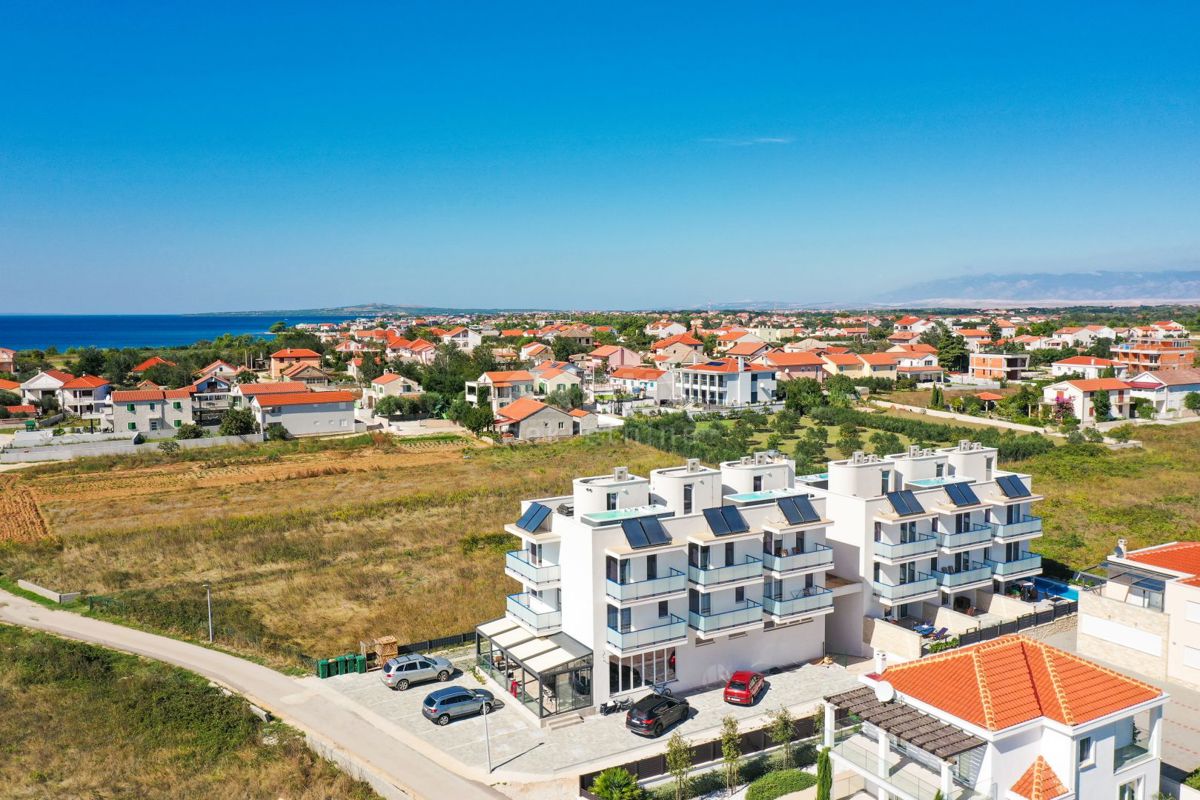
(389, 764)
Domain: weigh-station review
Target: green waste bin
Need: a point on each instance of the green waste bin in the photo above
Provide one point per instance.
(360, 661)
(323, 668)
(341, 665)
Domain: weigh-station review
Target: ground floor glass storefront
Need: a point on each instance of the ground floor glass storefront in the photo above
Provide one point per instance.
(644, 669)
(547, 674)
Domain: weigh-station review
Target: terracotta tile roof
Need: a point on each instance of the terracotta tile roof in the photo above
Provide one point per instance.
(152, 361)
(638, 373)
(283, 387)
(745, 349)
(138, 396)
(386, 378)
(604, 350)
(519, 410)
(454, 331)
(1015, 679)
(176, 394)
(420, 345)
(509, 376)
(303, 399)
(990, 396)
(679, 338)
(908, 320)
(578, 412)
(295, 352)
(1175, 377)
(725, 365)
(843, 359)
(1039, 782)
(58, 375)
(973, 333)
(22, 409)
(9, 386)
(85, 382)
(732, 336)
(1086, 361)
(781, 358)
(1099, 385)
(515, 333)
(879, 359)
(1176, 556)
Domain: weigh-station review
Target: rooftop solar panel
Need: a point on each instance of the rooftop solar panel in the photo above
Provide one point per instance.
(962, 494)
(527, 515)
(537, 517)
(905, 503)
(1012, 486)
(734, 519)
(798, 510)
(655, 531)
(635, 534)
(716, 522)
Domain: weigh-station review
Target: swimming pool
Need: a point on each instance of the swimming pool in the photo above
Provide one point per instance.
(1048, 587)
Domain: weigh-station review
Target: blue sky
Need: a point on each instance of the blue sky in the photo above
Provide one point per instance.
(189, 157)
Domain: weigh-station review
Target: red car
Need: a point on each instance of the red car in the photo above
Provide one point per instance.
(744, 687)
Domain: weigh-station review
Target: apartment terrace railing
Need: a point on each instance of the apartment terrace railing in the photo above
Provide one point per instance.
(924, 544)
(974, 573)
(806, 602)
(712, 621)
(1027, 562)
(1022, 527)
(517, 563)
(974, 535)
(673, 581)
(901, 592)
(815, 555)
(1129, 754)
(1021, 623)
(713, 576)
(675, 628)
(900, 772)
(521, 607)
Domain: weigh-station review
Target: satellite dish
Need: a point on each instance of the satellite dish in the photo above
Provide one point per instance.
(885, 692)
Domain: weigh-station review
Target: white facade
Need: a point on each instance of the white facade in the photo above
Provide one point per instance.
(722, 384)
(323, 413)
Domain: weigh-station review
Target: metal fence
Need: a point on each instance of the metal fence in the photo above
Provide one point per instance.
(453, 640)
(1019, 624)
(655, 766)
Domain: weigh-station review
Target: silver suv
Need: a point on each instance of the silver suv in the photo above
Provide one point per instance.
(403, 671)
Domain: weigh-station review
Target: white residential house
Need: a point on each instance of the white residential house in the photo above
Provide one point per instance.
(535, 351)
(305, 413)
(503, 387)
(678, 578)
(547, 381)
(389, 384)
(664, 329)
(940, 536)
(1010, 718)
(463, 338)
(1167, 390)
(532, 420)
(149, 410)
(1089, 367)
(724, 382)
(46, 383)
(647, 383)
(911, 324)
(1081, 395)
(85, 397)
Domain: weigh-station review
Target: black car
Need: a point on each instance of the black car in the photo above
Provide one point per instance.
(654, 713)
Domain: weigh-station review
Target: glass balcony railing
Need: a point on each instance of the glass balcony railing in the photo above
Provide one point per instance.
(534, 613)
(903, 592)
(975, 535)
(1129, 754)
(712, 621)
(1027, 562)
(973, 573)
(807, 602)
(815, 555)
(673, 581)
(924, 544)
(1022, 527)
(675, 628)
(516, 562)
(899, 772)
(712, 576)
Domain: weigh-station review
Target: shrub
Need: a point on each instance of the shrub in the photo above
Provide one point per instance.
(189, 431)
(276, 432)
(616, 783)
(777, 784)
(170, 446)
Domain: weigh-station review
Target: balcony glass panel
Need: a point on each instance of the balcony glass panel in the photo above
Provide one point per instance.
(1028, 561)
(1129, 754)
(734, 572)
(898, 771)
(816, 555)
(976, 534)
(1022, 527)
(924, 544)
(517, 561)
(974, 573)
(674, 581)
(534, 612)
(808, 601)
(900, 592)
(674, 628)
(720, 620)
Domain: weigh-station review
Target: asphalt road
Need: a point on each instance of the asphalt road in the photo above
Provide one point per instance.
(334, 726)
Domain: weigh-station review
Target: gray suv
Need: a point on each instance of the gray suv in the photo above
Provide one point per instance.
(443, 705)
(403, 671)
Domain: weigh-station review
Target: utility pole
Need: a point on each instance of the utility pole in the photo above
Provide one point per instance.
(487, 739)
(208, 592)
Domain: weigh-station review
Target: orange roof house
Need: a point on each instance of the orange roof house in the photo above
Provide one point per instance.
(152, 361)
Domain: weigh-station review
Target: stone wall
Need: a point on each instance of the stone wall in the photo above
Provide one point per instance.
(1122, 634)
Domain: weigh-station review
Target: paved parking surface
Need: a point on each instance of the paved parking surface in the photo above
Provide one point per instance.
(521, 750)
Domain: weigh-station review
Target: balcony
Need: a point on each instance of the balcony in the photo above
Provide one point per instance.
(900, 774)
(974, 573)
(974, 535)
(715, 576)
(905, 592)
(813, 557)
(516, 565)
(925, 544)
(534, 614)
(672, 630)
(1129, 754)
(811, 601)
(673, 581)
(716, 621)
(1029, 562)
(1025, 526)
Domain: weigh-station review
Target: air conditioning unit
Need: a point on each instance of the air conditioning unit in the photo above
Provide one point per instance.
(620, 473)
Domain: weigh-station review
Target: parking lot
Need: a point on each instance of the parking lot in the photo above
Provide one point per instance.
(523, 751)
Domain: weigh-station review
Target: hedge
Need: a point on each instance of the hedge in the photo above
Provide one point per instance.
(777, 784)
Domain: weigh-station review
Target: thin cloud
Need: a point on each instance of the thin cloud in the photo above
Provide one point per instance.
(749, 141)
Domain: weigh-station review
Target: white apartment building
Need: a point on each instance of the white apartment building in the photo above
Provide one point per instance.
(936, 536)
(305, 413)
(682, 577)
(148, 410)
(724, 382)
(1009, 718)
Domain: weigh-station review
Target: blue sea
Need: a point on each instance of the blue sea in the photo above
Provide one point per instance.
(37, 332)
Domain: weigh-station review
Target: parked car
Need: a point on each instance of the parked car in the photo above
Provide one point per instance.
(654, 713)
(443, 705)
(403, 671)
(744, 687)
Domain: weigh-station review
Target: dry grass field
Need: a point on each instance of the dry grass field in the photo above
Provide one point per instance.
(80, 721)
(306, 550)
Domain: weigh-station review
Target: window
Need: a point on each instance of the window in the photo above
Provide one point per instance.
(939, 470)
(663, 613)
(728, 553)
(177, 423)
(177, 405)
(885, 481)
(739, 594)
(687, 498)
(129, 408)
(152, 406)
(651, 567)
(758, 483)
(133, 426)
(1131, 790)
(1086, 756)
(611, 501)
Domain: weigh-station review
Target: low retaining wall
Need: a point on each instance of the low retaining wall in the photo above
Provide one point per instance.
(49, 594)
(67, 452)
